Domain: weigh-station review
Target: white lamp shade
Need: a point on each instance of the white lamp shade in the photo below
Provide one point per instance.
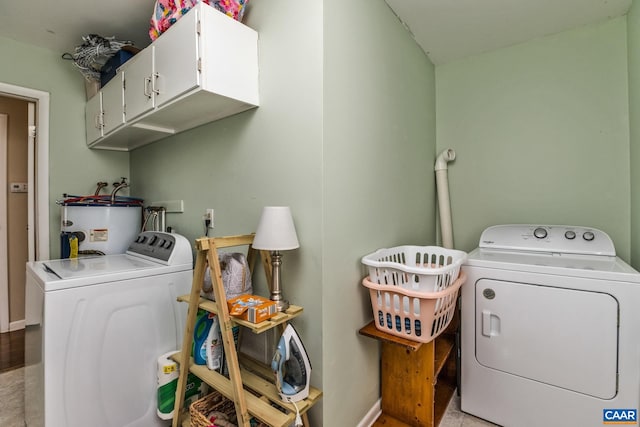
(276, 231)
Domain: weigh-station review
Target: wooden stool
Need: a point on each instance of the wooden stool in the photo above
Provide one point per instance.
(417, 379)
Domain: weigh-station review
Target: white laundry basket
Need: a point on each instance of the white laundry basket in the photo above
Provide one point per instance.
(413, 289)
(417, 268)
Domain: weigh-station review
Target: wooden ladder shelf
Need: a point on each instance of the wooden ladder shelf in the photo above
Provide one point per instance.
(250, 386)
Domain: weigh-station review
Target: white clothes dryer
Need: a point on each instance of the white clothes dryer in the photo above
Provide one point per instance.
(550, 329)
(96, 327)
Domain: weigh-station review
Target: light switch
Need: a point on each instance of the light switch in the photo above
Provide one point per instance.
(18, 187)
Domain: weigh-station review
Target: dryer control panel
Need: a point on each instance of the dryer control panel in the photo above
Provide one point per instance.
(548, 238)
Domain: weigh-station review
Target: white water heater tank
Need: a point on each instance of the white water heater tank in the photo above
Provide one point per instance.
(105, 228)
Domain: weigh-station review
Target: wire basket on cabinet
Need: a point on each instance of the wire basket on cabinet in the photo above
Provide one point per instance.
(413, 289)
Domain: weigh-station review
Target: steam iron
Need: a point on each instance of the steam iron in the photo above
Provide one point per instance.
(291, 367)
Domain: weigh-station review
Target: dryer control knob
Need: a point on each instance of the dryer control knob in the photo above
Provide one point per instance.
(540, 233)
(570, 235)
(588, 236)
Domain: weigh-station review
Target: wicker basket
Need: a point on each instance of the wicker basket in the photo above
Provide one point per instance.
(214, 402)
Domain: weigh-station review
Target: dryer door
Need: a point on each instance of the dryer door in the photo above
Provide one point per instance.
(562, 337)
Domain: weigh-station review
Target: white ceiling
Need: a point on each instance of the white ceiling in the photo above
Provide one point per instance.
(60, 24)
(453, 29)
(445, 29)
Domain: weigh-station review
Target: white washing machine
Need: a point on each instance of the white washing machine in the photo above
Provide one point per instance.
(95, 329)
(550, 332)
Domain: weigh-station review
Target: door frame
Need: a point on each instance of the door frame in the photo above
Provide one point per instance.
(38, 215)
(4, 253)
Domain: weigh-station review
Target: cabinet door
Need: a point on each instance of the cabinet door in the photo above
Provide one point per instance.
(176, 59)
(93, 118)
(138, 90)
(113, 104)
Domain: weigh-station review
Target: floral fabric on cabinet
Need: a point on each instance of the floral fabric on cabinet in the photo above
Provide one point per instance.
(167, 12)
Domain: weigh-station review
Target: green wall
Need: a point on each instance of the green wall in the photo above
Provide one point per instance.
(541, 131)
(73, 168)
(346, 135)
(334, 171)
(333, 140)
(633, 36)
(378, 182)
(271, 155)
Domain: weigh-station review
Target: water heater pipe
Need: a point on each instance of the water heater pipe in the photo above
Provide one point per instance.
(444, 205)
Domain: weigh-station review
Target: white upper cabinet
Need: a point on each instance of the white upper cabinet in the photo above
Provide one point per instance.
(93, 118)
(138, 83)
(202, 69)
(176, 62)
(105, 111)
(113, 105)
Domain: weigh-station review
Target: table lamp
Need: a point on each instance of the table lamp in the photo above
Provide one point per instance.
(276, 233)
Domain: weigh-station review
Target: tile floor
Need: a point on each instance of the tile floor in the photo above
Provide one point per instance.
(12, 408)
(453, 417)
(11, 396)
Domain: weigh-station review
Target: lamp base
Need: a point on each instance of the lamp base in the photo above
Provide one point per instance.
(282, 305)
(276, 288)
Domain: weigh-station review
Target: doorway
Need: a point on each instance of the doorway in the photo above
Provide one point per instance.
(36, 190)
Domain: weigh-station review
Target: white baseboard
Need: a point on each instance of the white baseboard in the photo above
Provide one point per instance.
(17, 325)
(371, 416)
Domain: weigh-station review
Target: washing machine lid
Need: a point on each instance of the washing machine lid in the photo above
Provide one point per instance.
(95, 266)
(55, 275)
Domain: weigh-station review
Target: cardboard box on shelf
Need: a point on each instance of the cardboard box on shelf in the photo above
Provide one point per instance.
(252, 308)
(91, 87)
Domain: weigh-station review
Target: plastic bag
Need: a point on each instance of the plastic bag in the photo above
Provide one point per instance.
(236, 277)
(167, 12)
(232, 8)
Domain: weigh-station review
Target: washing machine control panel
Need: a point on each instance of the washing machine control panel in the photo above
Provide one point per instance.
(158, 246)
(548, 238)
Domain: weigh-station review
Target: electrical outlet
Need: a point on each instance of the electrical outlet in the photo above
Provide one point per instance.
(209, 215)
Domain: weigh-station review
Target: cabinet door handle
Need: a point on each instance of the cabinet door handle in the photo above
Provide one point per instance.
(99, 123)
(155, 90)
(147, 87)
